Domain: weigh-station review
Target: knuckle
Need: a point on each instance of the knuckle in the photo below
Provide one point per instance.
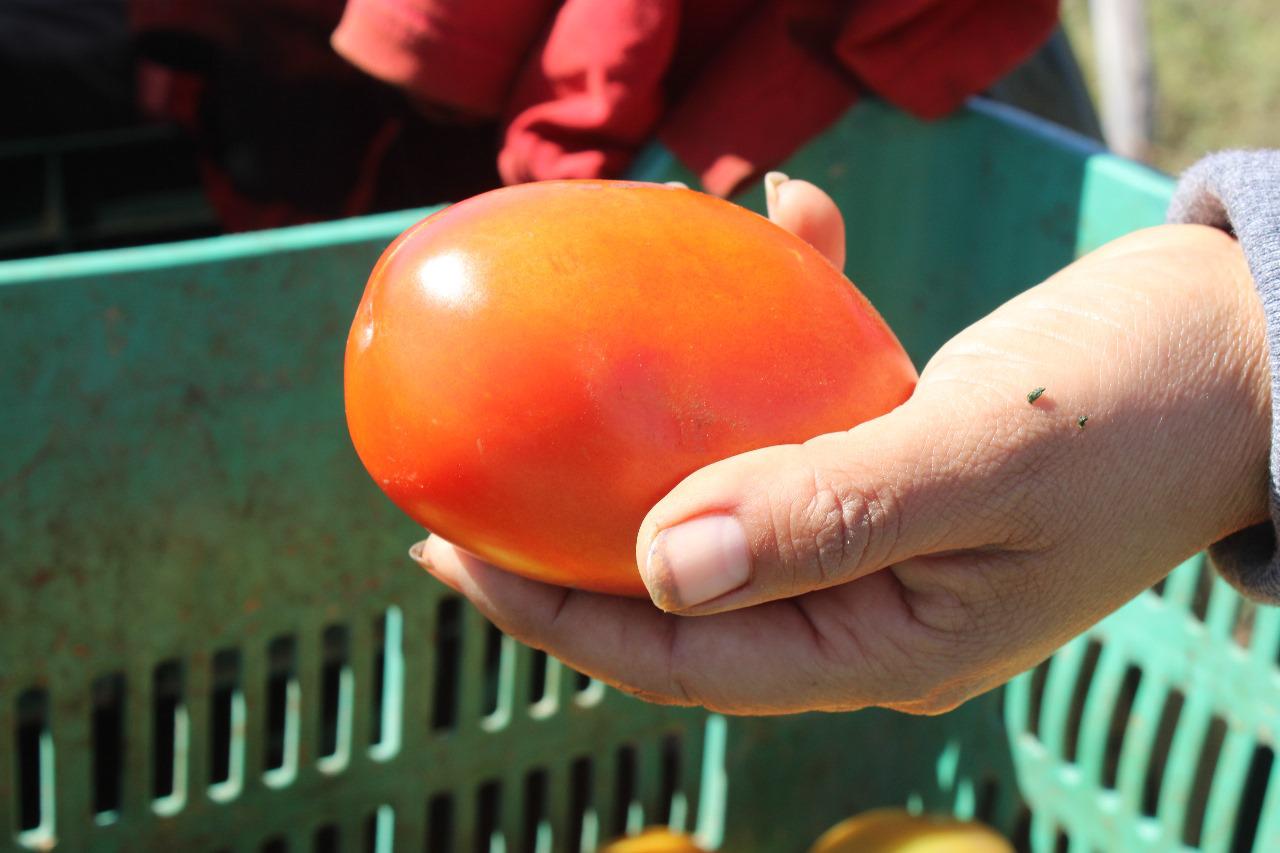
(826, 526)
(834, 528)
(679, 675)
(523, 632)
(530, 626)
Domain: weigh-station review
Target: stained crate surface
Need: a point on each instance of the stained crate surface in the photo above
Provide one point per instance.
(214, 640)
(214, 636)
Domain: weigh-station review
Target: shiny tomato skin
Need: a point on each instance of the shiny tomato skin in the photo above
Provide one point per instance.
(531, 370)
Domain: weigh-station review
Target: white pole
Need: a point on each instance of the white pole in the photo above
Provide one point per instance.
(1125, 78)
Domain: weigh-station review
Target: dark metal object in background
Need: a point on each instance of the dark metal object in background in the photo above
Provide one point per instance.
(78, 167)
(1050, 85)
(66, 66)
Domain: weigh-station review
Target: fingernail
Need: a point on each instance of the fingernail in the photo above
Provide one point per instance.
(772, 181)
(696, 561)
(418, 553)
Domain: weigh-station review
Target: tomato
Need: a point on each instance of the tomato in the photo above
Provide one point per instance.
(529, 371)
(897, 831)
(656, 839)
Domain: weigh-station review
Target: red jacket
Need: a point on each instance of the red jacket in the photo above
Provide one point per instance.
(553, 89)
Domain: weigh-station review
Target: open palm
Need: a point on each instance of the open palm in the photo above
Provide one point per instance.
(933, 553)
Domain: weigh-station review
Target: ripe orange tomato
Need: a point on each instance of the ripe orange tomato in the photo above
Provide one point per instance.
(656, 839)
(531, 370)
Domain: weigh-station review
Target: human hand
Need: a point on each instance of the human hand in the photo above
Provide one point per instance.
(933, 553)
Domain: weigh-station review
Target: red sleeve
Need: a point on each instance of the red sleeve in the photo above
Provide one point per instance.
(463, 54)
(766, 94)
(591, 93)
(210, 22)
(758, 99)
(928, 56)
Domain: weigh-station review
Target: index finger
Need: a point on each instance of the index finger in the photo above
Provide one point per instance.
(782, 657)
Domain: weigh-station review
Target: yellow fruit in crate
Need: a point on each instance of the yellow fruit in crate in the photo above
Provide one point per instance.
(897, 831)
(654, 840)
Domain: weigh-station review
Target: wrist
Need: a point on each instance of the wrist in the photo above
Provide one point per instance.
(1236, 373)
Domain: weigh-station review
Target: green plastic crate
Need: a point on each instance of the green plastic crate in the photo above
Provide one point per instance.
(213, 639)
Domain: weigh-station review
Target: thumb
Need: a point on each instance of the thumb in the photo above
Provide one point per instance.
(786, 520)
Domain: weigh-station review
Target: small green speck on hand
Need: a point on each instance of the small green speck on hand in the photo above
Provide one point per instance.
(1081, 421)
(1034, 395)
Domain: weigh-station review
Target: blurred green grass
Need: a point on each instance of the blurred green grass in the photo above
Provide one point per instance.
(1217, 74)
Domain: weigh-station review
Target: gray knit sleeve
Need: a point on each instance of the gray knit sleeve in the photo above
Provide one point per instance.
(1239, 192)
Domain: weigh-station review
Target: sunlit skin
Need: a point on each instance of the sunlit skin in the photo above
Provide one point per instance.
(974, 532)
(530, 371)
